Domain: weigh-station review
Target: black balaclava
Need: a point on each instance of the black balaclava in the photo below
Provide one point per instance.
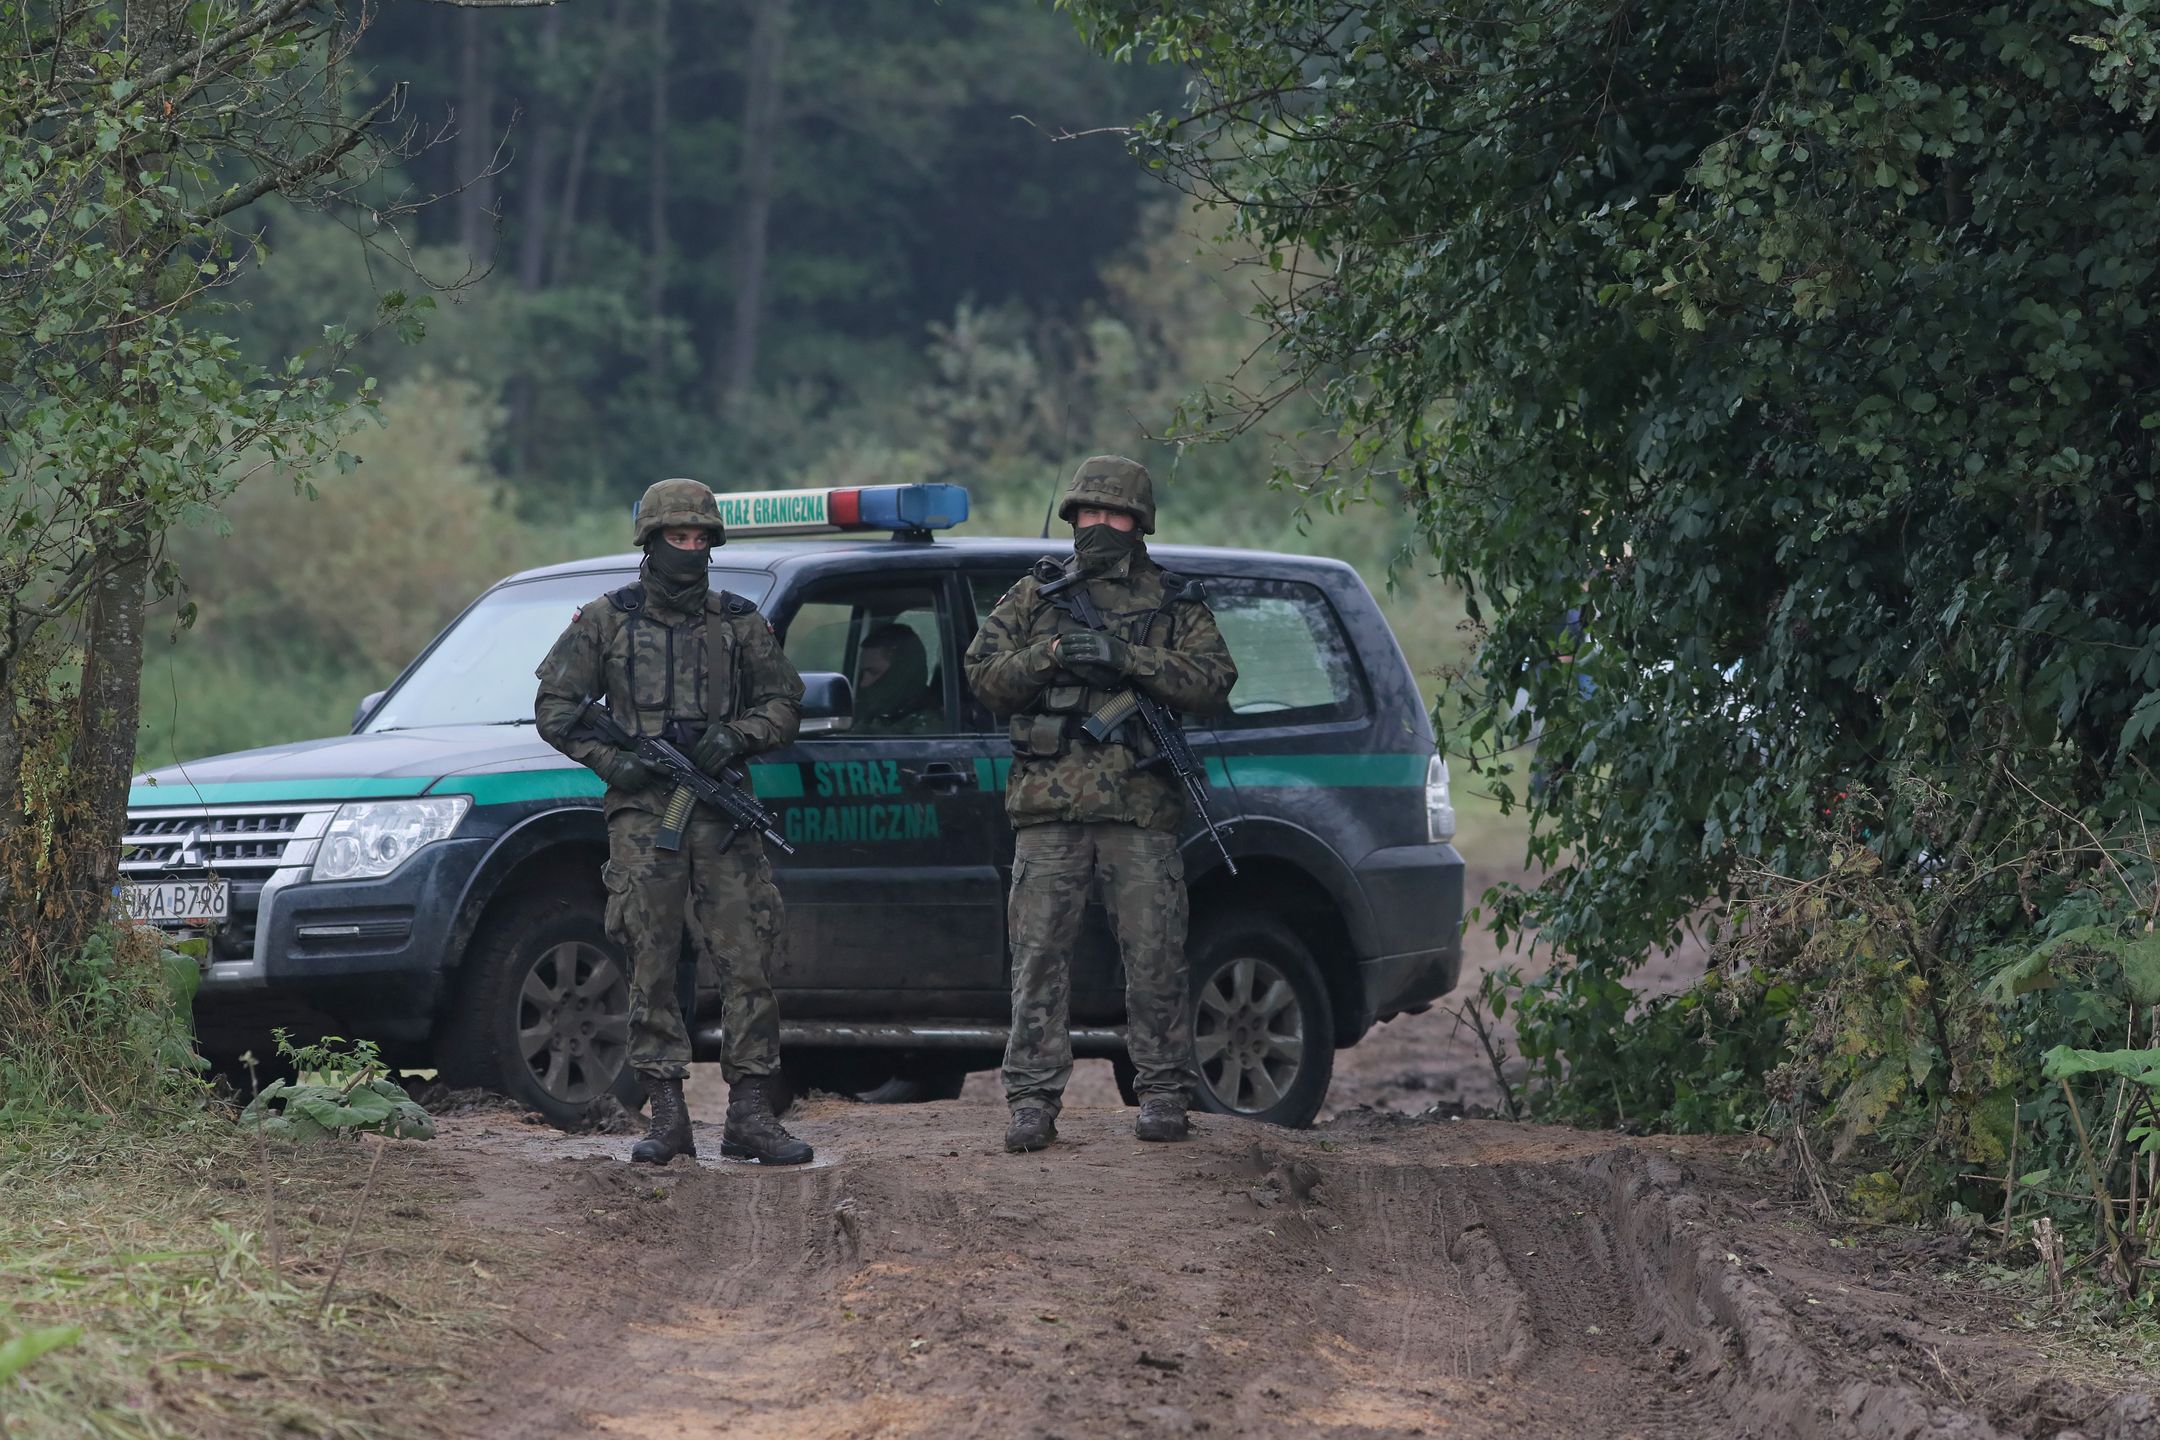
(675, 578)
(1103, 548)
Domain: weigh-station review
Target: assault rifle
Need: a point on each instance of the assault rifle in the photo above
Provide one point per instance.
(736, 805)
(1172, 750)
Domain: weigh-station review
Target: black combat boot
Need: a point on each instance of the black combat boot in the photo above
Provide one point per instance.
(753, 1132)
(669, 1134)
(1162, 1117)
(1031, 1129)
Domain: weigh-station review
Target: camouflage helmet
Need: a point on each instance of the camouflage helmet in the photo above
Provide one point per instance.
(1112, 482)
(669, 503)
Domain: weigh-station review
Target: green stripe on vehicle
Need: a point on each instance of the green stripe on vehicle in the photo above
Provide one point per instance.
(776, 782)
(769, 782)
(1330, 771)
(1280, 771)
(513, 787)
(265, 792)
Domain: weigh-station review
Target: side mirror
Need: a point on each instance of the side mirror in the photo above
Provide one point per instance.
(365, 708)
(828, 703)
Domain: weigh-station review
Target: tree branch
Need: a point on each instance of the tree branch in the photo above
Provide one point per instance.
(303, 170)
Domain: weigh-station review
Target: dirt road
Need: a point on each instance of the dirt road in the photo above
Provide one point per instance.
(1374, 1277)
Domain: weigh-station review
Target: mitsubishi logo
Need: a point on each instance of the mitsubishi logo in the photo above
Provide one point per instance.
(190, 852)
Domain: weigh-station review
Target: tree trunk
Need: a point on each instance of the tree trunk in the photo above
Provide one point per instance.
(108, 714)
(539, 173)
(657, 197)
(15, 858)
(599, 96)
(475, 139)
(540, 164)
(737, 370)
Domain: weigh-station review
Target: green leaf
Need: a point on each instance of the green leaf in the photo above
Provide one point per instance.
(26, 1347)
(183, 977)
(2141, 968)
(2143, 720)
(2022, 976)
(2065, 1063)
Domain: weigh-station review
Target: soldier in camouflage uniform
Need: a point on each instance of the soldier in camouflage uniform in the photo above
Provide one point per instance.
(672, 656)
(1087, 811)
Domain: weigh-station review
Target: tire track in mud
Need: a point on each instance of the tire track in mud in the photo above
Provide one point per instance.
(1473, 1280)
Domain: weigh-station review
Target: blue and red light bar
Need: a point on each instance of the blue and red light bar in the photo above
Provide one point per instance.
(905, 509)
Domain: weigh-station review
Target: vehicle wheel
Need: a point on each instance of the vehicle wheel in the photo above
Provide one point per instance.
(914, 1084)
(543, 1013)
(1263, 1030)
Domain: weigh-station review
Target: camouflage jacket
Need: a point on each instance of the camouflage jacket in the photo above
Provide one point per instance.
(1177, 657)
(652, 664)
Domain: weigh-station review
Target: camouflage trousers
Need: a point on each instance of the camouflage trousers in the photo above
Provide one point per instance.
(721, 905)
(1143, 889)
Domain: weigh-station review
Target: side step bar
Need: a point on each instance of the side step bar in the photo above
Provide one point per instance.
(1089, 1041)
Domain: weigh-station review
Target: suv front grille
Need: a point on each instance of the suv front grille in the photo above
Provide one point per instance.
(254, 848)
(198, 842)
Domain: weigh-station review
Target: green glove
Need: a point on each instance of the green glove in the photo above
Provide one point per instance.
(1093, 654)
(624, 771)
(719, 747)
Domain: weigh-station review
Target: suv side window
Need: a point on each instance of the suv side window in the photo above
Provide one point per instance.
(889, 640)
(989, 587)
(1295, 665)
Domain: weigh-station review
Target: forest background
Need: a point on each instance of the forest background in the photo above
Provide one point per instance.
(815, 243)
(1770, 383)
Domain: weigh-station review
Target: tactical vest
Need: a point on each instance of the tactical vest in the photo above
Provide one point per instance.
(1050, 724)
(671, 679)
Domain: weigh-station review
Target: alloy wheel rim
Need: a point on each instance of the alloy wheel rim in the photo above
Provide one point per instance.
(1249, 1034)
(573, 1022)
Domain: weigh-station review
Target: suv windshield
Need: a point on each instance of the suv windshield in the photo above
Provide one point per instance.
(481, 671)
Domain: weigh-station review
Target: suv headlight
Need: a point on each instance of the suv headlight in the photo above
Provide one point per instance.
(373, 837)
(1439, 809)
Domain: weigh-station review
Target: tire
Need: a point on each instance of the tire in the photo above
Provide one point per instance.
(1263, 1029)
(914, 1084)
(542, 1012)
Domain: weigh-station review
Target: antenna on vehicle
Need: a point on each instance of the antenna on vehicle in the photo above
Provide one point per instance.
(1064, 448)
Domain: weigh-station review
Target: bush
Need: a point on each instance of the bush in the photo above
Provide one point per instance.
(359, 570)
(105, 1030)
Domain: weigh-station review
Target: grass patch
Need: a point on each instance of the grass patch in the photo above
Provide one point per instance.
(200, 1298)
(2089, 1335)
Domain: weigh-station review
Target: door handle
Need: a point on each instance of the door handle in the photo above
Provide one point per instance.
(942, 775)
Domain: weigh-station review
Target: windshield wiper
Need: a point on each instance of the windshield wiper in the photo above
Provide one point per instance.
(528, 720)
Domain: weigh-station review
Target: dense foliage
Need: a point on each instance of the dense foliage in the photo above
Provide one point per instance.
(682, 205)
(133, 142)
(1782, 381)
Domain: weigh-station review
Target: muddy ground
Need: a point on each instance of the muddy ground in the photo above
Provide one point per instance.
(1379, 1275)
(1392, 1272)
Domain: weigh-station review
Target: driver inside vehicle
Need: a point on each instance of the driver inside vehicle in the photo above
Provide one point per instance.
(893, 693)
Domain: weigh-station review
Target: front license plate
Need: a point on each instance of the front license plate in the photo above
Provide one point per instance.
(178, 902)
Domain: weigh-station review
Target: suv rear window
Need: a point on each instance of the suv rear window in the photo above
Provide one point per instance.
(1294, 662)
